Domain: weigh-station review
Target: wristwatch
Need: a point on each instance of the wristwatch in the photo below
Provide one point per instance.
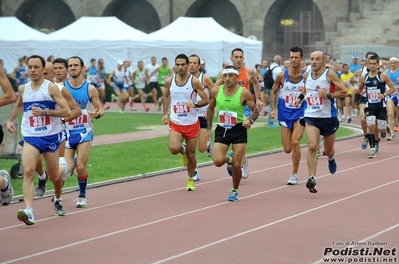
(328, 96)
(251, 121)
(44, 112)
(196, 105)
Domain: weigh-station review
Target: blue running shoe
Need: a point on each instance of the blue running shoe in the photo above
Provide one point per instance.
(332, 166)
(365, 142)
(311, 184)
(233, 196)
(229, 166)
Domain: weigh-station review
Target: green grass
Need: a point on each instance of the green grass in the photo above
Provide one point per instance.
(108, 162)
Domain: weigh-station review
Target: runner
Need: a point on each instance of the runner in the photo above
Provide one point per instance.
(230, 100)
(42, 105)
(320, 115)
(181, 95)
(80, 129)
(289, 85)
(204, 144)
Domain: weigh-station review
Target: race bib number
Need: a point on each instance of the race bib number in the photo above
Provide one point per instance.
(180, 108)
(38, 124)
(289, 100)
(315, 102)
(372, 97)
(81, 121)
(227, 119)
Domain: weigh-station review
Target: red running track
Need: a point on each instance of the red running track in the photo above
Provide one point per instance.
(154, 220)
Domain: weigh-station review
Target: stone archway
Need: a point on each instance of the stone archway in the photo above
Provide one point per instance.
(137, 13)
(46, 15)
(292, 23)
(222, 11)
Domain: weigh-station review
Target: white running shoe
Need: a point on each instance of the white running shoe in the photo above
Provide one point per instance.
(196, 176)
(293, 179)
(209, 151)
(67, 170)
(6, 196)
(244, 169)
(81, 202)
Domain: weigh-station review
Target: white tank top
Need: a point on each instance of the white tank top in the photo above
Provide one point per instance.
(180, 113)
(202, 110)
(39, 126)
(316, 106)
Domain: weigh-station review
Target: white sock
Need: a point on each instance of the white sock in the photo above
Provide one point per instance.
(43, 177)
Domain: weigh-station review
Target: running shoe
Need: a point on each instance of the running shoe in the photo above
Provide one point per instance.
(196, 176)
(105, 107)
(391, 137)
(81, 202)
(59, 208)
(372, 154)
(67, 170)
(121, 111)
(6, 196)
(132, 108)
(311, 184)
(365, 142)
(293, 179)
(332, 166)
(229, 163)
(190, 186)
(147, 109)
(233, 196)
(41, 186)
(245, 172)
(26, 216)
(272, 124)
(349, 120)
(396, 129)
(183, 156)
(209, 150)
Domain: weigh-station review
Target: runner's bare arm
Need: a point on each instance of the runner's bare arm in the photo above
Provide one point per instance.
(95, 101)
(64, 110)
(8, 96)
(340, 90)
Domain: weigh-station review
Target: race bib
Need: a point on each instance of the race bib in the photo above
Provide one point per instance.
(290, 99)
(81, 121)
(372, 97)
(181, 108)
(227, 119)
(315, 102)
(38, 124)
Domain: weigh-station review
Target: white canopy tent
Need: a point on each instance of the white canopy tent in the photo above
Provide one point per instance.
(91, 37)
(16, 41)
(202, 36)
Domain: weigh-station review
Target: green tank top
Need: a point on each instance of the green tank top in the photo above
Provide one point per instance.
(229, 109)
(163, 74)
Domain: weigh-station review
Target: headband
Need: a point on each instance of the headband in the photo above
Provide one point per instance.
(394, 59)
(230, 70)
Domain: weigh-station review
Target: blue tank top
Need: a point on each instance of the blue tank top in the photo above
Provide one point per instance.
(81, 96)
(287, 96)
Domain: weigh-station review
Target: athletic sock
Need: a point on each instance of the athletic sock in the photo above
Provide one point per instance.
(371, 140)
(43, 177)
(82, 186)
